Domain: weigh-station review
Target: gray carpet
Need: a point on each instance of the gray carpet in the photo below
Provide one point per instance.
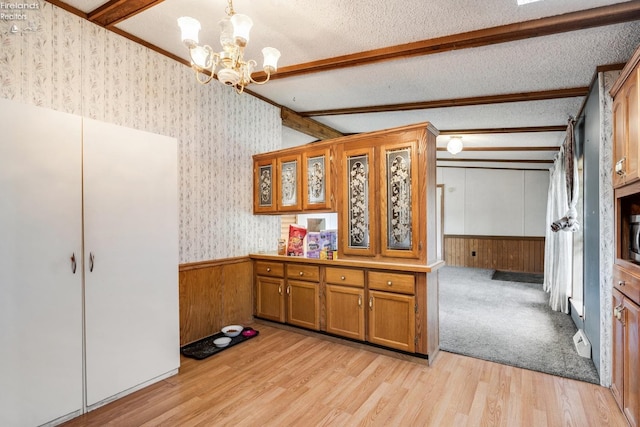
(509, 323)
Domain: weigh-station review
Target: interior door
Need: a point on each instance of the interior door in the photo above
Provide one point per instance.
(131, 258)
(40, 295)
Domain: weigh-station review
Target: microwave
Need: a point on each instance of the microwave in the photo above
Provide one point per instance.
(634, 238)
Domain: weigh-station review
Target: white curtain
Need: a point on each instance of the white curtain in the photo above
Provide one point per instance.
(558, 251)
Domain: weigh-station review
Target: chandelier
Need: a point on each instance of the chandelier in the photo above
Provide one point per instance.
(232, 69)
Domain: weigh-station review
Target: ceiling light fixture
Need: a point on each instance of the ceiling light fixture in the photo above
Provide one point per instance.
(455, 145)
(234, 70)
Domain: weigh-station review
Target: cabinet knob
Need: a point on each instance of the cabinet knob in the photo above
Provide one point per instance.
(389, 283)
(621, 283)
(301, 274)
(268, 269)
(359, 300)
(371, 303)
(342, 277)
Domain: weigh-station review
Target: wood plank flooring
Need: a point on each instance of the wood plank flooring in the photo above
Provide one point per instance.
(283, 378)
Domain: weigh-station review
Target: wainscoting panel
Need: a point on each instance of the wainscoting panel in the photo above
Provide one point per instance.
(214, 294)
(509, 253)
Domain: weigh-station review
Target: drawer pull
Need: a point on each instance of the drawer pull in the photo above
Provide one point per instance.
(621, 283)
(268, 269)
(301, 274)
(342, 278)
(389, 283)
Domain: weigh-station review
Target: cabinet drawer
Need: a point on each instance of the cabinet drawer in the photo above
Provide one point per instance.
(626, 283)
(393, 282)
(303, 272)
(345, 276)
(269, 268)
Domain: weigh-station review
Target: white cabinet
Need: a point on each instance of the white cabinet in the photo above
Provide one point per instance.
(69, 184)
(131, 234)
(40, 296)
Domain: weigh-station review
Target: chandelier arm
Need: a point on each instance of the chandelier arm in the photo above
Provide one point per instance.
(206, 80)
(262, 82)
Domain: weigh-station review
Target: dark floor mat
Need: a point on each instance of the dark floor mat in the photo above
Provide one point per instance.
(512, 276)
(205, 347)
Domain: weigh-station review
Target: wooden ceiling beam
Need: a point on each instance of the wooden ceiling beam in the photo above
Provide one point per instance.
(115, 11)
(596, 17)
(561, 128)
(295, 121)
(457, 102)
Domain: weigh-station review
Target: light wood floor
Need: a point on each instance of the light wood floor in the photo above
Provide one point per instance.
(283, 378)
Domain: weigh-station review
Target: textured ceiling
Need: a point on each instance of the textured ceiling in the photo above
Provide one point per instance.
(306, 31)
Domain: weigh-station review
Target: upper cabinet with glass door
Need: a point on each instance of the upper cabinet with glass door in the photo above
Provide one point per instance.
(399, 200)
(316, 180)
(293, 180)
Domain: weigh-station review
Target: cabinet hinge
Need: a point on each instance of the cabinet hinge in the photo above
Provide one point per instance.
(415, 340)
(415, 307)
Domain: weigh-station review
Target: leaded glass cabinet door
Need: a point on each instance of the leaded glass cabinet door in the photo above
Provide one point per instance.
(399, 200)
(289, 194)
(264, 192)
(316, 180)
(358, 211)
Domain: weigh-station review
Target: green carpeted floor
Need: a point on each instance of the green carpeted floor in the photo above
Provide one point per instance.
(507, 322)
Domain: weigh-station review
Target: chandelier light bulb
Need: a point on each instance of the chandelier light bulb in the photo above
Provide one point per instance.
(241, 27)
(190, 27)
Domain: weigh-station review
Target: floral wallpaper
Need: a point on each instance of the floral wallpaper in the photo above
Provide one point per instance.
(60, 61)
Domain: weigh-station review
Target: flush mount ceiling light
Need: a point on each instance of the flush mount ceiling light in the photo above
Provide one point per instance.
(455, 145)
(233, 69)
(521, 2)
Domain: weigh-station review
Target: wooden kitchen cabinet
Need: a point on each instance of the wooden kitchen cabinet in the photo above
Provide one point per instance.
(345, 302)
(626, 123)
(270, 287)
(392, 310)
(392, 320)
(303, 296)
(626, 357)
(625, 385)
(386, 178)
(358, 212)
(288, 179)
(265, 193)
(317, 186)
(399, 220)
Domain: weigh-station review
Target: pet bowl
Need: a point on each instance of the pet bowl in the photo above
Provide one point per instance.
(222, 342)
(232, 330)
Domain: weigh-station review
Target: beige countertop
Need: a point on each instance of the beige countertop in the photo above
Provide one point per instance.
(373, 264)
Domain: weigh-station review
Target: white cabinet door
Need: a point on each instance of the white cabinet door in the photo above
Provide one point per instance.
(40, 296)
(131, 258)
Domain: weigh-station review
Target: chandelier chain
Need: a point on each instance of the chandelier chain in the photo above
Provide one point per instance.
(229, 9)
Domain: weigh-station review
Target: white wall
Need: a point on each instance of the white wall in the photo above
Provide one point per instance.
(494, 202)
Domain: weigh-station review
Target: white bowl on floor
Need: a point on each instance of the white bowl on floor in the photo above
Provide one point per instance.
(222, 342)
(232, 330)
